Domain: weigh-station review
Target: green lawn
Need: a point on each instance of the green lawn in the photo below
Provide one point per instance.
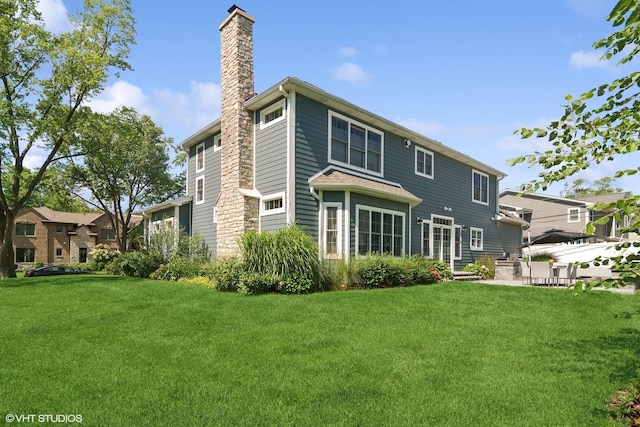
(123, 352)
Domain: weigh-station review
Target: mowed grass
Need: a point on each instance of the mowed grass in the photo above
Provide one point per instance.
(131, 352)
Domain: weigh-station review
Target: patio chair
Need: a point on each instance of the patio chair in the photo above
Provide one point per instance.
(541, 273)
(567, 275)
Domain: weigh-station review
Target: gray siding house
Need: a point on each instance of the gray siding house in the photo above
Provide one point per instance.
(359, 183)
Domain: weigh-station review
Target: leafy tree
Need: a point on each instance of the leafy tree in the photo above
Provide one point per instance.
(125, 167)
(598, 126)
(46, 80)
(582, 188)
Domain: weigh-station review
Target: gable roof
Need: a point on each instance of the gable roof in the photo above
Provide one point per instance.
(542, 197)
(75, 218)
(607, 198)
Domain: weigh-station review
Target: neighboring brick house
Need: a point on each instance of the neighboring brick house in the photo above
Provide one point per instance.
(545, 212)
(48, 236)
(357, 182)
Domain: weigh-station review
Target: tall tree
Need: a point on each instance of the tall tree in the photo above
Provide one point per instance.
(583, 188)
(599, 126)
(125, 167)
(45, 81)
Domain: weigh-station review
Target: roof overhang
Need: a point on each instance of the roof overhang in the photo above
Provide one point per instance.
(333, 179)
(207, 131)
(164, 205)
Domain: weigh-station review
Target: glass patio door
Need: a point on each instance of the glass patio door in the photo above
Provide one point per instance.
(442, 232)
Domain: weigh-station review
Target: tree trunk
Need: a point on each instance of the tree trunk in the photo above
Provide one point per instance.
(7, 256)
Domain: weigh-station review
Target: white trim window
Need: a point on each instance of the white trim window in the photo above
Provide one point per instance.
(573, 215)
(480, 187)
(217, 142)
(379, 231)
(355, 144)
(272, 204)
(200, 190)
(273, 114)
(200, 157)
(215, 214)
(424, 162)
(426, 238)
(332, 237)
(476, 239)
(457, 235)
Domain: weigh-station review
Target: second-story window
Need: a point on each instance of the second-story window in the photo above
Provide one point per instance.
(272, 114)
(217, 142)
(424, 162)
(200, 157)
(480, 187)
(355, 144)
(573, 215)
(23, 229)
(107, 234)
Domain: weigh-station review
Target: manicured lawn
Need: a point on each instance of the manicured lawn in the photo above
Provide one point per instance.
(132, 352)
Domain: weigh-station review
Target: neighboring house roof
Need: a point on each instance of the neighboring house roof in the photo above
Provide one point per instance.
(292, 83)
(67, 217)
(542, 197)
(606, 198)
(336, 180)
(508, 217)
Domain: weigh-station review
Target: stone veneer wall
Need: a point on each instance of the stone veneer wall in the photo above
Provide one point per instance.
(237, 211)
(508, 270)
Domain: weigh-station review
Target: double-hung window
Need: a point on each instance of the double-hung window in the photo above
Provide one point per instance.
(199, 190)
(355, 144)
(480, 187)
(573, 215)
(25, 255)
(424, 162)
(476, 240)
(379, 231)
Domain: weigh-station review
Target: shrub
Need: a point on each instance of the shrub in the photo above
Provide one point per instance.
(136, 264)
(87, 266)
(542, 256)
(295, 283)
(102, 255)
(225, 274)
(252, 283)
(381, 272)
(179, 267)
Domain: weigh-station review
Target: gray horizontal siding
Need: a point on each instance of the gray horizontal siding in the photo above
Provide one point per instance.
(271, 157)
(202, 215)
(272, 223)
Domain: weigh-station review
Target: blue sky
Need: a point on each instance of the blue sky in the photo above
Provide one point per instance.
(466, 73)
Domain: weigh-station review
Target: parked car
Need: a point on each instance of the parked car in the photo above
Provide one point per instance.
(53, 270)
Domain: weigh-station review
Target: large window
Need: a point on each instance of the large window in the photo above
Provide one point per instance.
(457, 252)
(200, 157)
(573, 215)
(355, 144)
(380, 231)
(424, 162)
(199, 190)
(25, 255)
(476, 241)
(426, 239)
(480, 187)
(23, 229)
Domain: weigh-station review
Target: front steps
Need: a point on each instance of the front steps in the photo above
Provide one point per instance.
(466, 276)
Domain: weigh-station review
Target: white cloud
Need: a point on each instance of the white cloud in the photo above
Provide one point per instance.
(55, 16)
(178, 113)
(427, 128)
(121, 93)
(34, 161)
(348, 51)
(352, 73)
(583, 60)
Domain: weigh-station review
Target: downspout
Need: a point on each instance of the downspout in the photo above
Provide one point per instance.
(313, 193)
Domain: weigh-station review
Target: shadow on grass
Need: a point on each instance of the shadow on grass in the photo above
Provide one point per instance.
(62, 280)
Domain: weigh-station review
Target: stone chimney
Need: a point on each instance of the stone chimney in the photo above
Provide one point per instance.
(237, 205)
